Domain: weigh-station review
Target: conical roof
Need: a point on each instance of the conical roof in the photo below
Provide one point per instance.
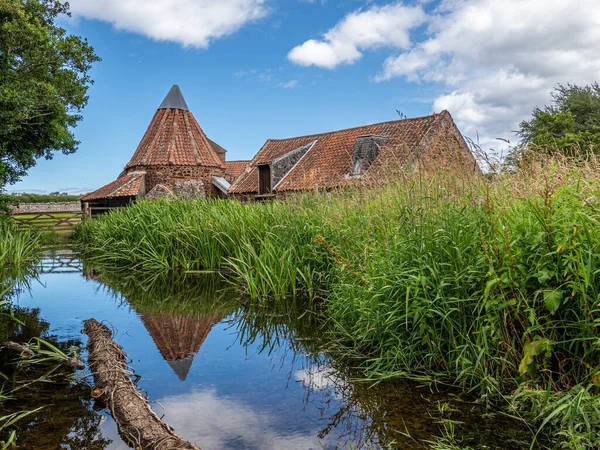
(174, 138)
(179, 337)
(174, 100)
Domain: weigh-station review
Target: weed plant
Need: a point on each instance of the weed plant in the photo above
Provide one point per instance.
(491, 286)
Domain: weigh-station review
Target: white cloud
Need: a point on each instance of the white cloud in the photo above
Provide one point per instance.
(375, 27)
(213, 422)
(500, 59)
(189, 22)
(496, 60)
(290, 84)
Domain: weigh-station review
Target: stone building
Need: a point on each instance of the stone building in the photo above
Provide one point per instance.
(367, 153)
(175, 159)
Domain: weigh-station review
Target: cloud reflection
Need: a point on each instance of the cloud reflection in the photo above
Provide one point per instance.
(214, 422)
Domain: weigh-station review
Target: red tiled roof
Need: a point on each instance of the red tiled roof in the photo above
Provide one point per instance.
(328, 162)
(174, 138)
(233, 169)
(125, 186)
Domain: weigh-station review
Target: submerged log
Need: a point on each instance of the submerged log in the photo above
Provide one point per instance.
(138, 425)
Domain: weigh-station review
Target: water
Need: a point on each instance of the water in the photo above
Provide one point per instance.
(227, 375)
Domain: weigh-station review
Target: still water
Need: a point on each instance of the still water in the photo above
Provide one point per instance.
(227, 375)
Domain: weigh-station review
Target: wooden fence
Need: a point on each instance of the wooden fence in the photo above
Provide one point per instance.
(61, 222)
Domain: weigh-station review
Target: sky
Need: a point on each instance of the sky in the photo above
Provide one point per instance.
(257, 69)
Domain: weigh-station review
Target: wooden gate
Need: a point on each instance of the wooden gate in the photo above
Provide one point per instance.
(62, 221)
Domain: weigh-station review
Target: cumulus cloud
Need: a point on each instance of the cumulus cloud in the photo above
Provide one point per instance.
(378, 26)
(217, 422)
(189, 22)
(496, 60)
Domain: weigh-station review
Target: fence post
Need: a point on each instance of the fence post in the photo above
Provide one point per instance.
(86, 211)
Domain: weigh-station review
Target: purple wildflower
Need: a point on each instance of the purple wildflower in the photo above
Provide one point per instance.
(570, 179)
(472, 200)
(559, 178)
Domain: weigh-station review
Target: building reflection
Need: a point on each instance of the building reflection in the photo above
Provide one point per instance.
(179, 338)
(177, 313)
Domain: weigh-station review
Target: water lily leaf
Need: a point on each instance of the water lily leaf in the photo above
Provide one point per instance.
(552, 299)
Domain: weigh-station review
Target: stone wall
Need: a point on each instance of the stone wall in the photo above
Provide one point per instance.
(26, 208)
(189, 189)
(172, 175)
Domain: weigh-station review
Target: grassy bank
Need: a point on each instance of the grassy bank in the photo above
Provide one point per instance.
(18, 248)
(491, 286)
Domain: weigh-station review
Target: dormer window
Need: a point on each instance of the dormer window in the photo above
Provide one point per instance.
(366, 150)
(264, 179)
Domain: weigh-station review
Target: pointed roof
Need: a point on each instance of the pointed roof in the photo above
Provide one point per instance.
(181, 367)
(174, 138)
(174, 100)
(179, 337)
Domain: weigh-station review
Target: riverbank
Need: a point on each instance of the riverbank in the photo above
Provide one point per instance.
(18, 248)
(491, 287)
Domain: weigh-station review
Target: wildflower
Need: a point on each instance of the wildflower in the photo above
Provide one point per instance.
(445, 197)
(482, 200)
(559, 178)
(472, 200)
(570, 179)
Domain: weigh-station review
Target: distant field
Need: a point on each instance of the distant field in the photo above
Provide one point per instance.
(44, 198)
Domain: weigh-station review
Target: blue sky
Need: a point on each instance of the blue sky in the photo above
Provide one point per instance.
(257, 69)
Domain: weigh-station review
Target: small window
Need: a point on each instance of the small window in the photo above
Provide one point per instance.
(264, 179)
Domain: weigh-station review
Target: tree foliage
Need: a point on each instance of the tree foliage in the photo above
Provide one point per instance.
(44, 82)
(570, 124)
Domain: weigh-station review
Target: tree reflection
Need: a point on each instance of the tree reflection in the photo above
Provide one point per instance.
(67, 419)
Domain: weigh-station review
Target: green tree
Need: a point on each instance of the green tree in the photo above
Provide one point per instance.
(43, 84)
(570, 124)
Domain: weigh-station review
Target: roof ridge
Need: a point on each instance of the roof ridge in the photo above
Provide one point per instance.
(408, 119)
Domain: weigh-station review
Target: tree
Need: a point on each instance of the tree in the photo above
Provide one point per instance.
(43, 84)
(570, 124)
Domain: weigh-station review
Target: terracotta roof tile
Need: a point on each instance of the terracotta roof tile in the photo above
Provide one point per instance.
(328, 162)
(125, 186)
(174, 138)
(234, 169)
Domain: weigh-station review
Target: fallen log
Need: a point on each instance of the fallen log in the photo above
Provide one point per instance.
(138, 425)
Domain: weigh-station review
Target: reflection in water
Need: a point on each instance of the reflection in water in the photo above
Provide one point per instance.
(67, 416)
(177, 313)
(178, 338)
(60, 261)
(243, 375)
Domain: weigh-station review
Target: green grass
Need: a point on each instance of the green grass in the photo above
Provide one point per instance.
(493, 287)
(18, 248)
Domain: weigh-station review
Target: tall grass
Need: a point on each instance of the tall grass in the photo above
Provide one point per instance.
(18, 248)
(485, 285)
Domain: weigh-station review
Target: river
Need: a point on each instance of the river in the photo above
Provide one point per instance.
(226, 374)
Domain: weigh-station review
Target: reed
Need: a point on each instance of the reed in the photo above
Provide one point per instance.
(18, 248)
(490, 286)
